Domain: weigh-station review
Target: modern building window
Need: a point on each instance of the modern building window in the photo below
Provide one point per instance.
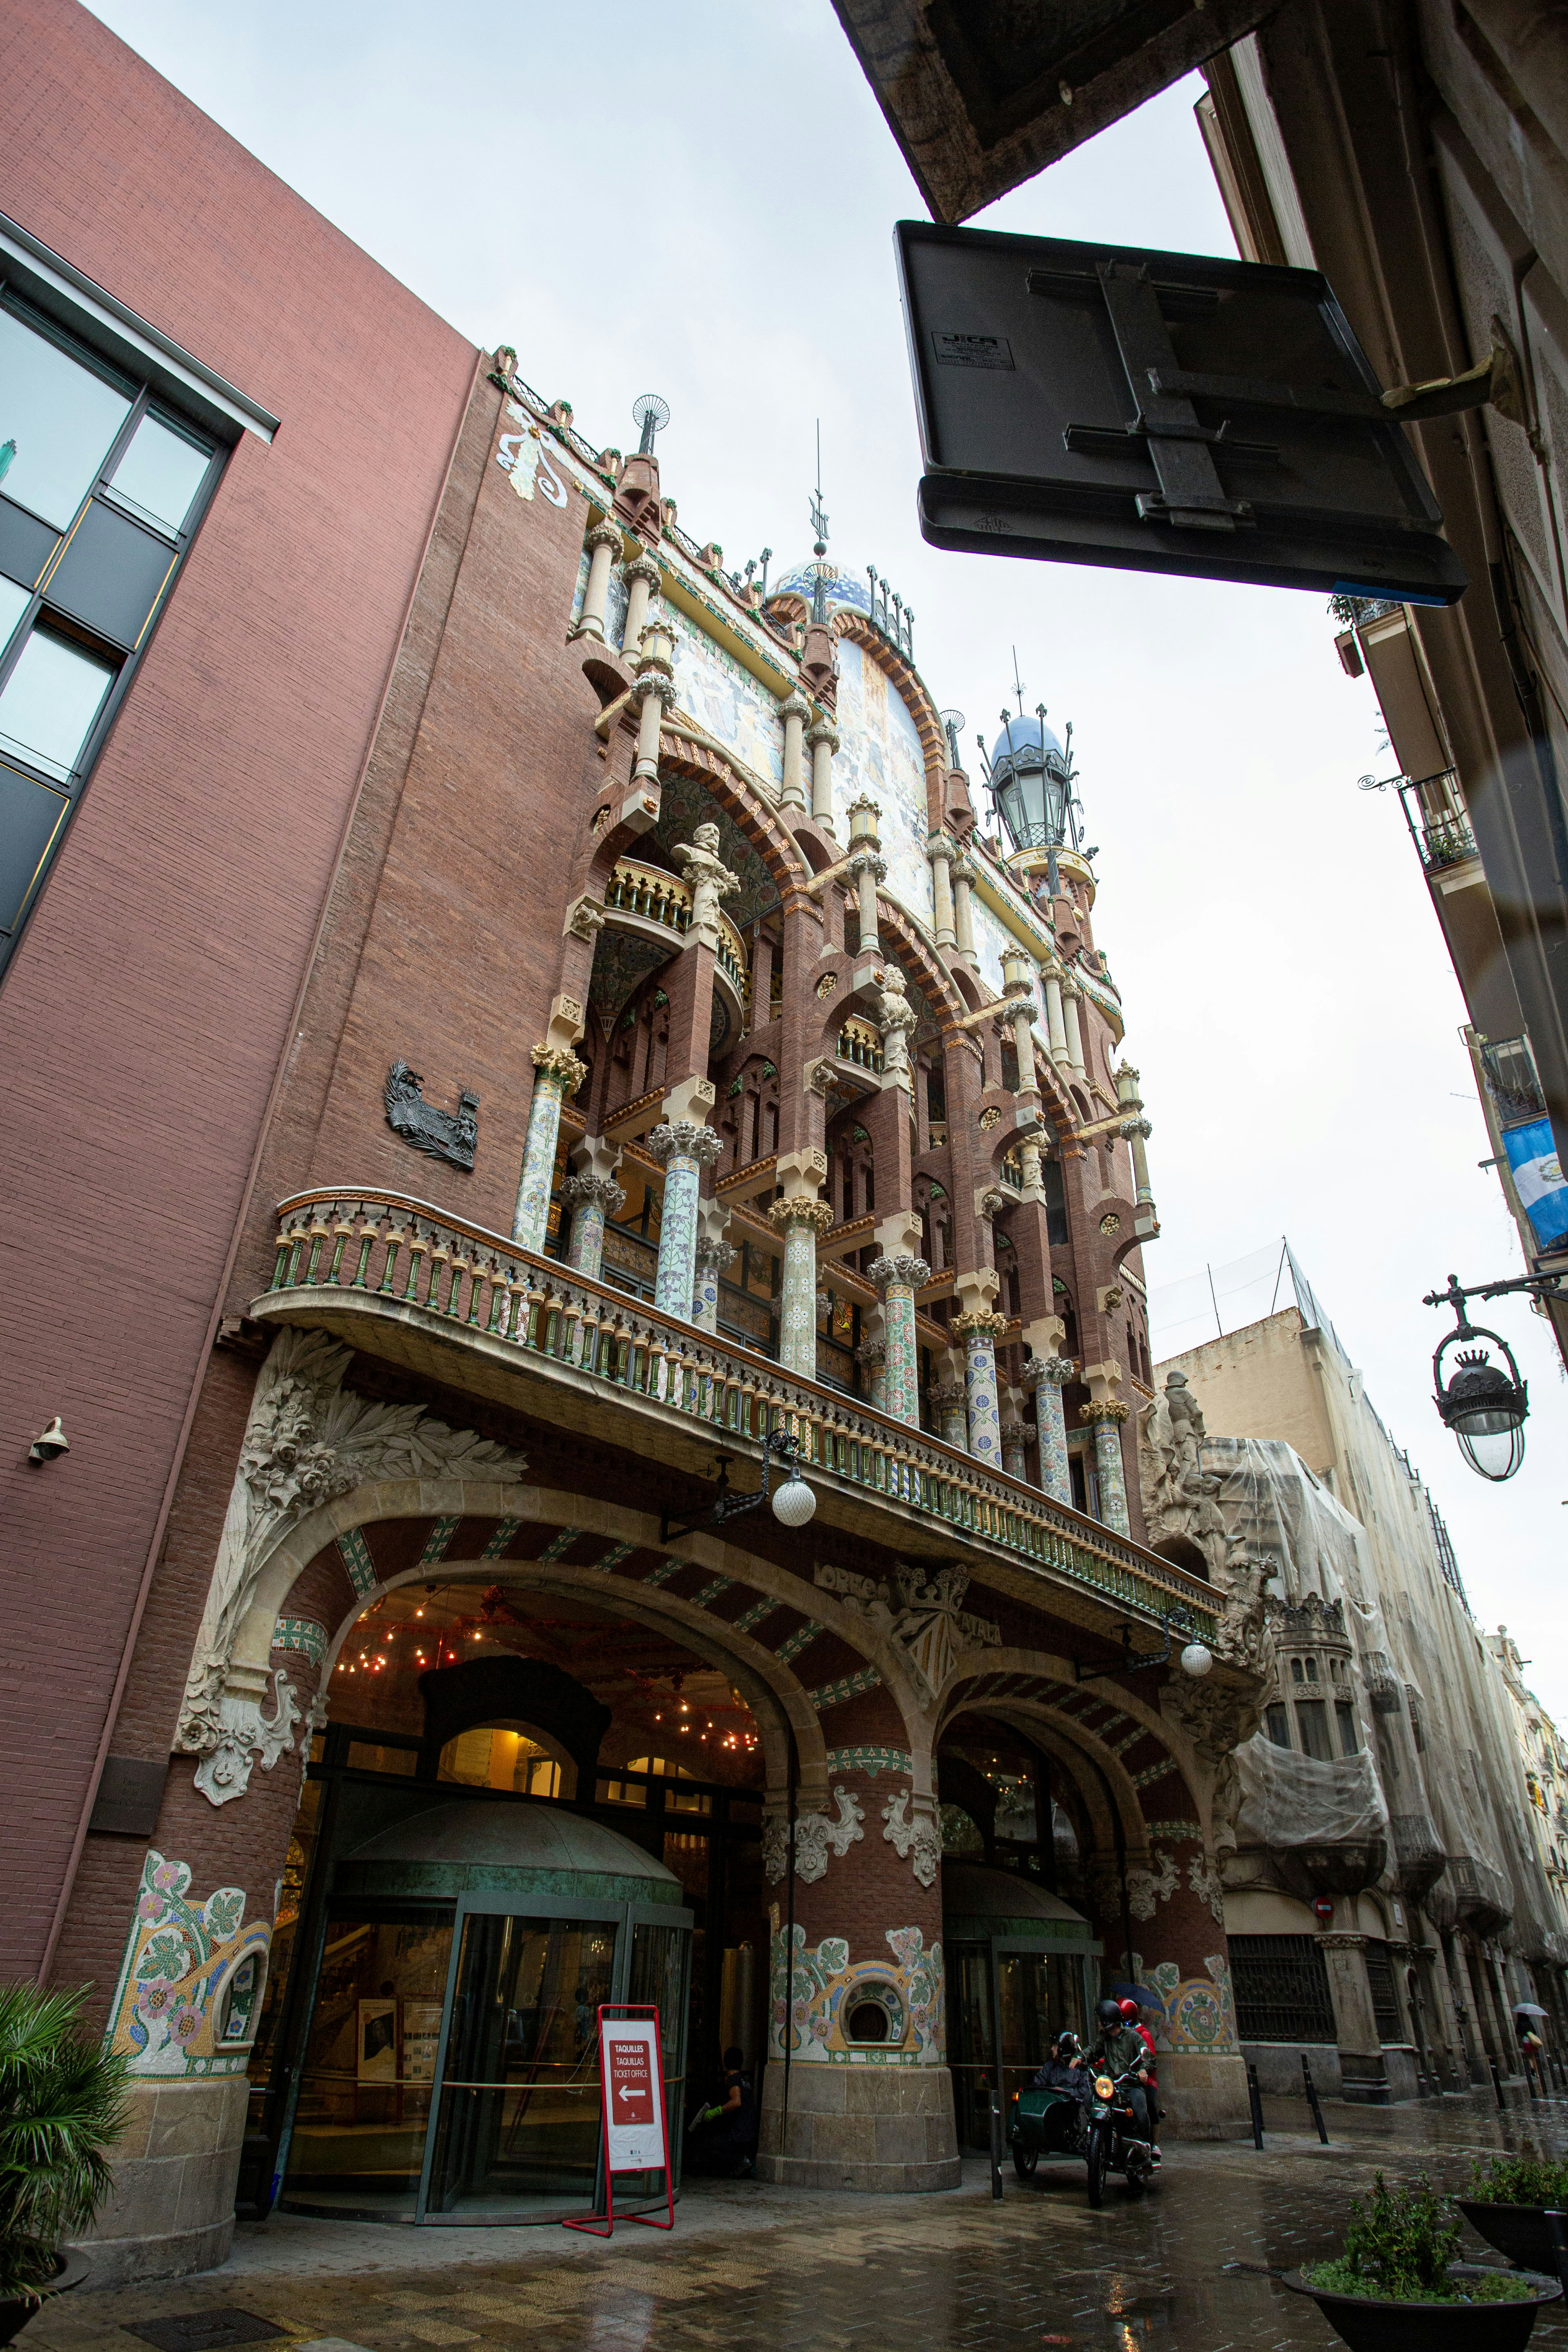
(1311, 1722)
(102, 483)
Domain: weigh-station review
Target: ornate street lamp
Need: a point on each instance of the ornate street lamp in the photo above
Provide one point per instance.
(1030, 777)
(1485, 1406)
(793, 1502)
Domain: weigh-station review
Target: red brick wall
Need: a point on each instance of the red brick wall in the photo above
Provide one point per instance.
(144, 1019)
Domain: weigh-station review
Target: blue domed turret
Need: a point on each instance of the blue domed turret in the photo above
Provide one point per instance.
(843, 588)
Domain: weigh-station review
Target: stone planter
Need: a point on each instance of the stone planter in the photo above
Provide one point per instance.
(1368, 2325)
(69, 2271)
(1519, 2231)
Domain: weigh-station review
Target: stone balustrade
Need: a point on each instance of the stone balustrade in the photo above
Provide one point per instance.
(860, 1043)
(656, 896)
(405, 1260)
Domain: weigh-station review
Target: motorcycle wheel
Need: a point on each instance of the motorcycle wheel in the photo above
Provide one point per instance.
(1098, 2155)
(1023, 2162)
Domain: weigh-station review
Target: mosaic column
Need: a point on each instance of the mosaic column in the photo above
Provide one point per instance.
(684, 1148)
(979, 1331)
(801, 1221)
(590, 1200)
(947, 1411)
(1107, 1415)
(557, 1073)
(897, 1280)
(1045, 1375)
(713, 1259)
(1014, 1440)
(795, 710)
(823, 737)
(872, 1358)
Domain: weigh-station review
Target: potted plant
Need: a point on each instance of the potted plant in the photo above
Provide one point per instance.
(62, 2102)
(1396, 2287)
(1508, 2204)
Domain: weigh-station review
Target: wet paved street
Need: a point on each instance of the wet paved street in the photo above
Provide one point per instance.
(748, 2265)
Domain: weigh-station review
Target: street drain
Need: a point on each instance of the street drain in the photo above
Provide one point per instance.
(205, 2331)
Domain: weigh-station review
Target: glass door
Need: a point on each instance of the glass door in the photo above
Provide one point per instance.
(516, 2121)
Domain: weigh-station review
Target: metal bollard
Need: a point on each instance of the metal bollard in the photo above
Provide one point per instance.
(1256, 2096)
(1312, 2100)
(1497, 2085)
(996, 2151)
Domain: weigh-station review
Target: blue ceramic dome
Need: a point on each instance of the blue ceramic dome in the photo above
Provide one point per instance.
(846, 589)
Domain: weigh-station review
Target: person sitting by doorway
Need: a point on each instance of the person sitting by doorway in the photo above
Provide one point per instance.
(725, 2136)
(1064, 2069)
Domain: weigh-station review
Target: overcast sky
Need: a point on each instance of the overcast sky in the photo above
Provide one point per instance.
(698, 200)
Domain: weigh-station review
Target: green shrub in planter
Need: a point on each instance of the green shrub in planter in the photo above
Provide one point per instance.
(1398, 2248)
(62, 2104)
(1519, 2180)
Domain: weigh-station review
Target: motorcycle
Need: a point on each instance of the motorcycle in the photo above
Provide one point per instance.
(1044, 2123)
(1116, 2143)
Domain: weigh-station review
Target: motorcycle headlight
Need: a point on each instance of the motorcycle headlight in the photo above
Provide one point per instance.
(1103, 2086)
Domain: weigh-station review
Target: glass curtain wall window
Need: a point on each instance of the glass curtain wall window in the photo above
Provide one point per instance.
(101, 487)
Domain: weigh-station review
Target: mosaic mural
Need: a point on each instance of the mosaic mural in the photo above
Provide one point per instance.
(814, 2000)
(189, 1994)
(1200, 2012)
(714, 688)
(879, 755)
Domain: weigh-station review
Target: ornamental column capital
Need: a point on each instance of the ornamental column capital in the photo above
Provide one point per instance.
(559, 1062)
(823, 730)
(941, 845)
(653, 679)
(794, 705)
(1054, 1370)
(1069, 986)
(818, 1214)
(979, 1323)
(594, 1191)
(604, 533)
(683, 1139)
(720, 1255)
(872, 1353)
(887, 1271)
(1132, 1127)
(642, 567)
(867, 861)
(1104, 1408)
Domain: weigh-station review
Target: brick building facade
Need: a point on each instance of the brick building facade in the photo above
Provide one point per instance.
(519, 1012)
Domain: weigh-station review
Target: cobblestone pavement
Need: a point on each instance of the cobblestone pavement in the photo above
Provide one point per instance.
(748, 2265)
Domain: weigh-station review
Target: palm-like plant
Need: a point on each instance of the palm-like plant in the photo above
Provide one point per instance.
(62, 2102)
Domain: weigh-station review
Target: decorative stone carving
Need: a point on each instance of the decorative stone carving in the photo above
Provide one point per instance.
(683, 1139)
(1145, 1889)
(980, 1323)
(818, 1214)
(443, 1134)
(1056, 1369)
(1205, 1884)
(584, 918)
(990, 1202)
(709, 878)
(918, 1843)
(827, 985)
(990, 1118)
(718, 1257)
(897, 1021)
(247, 1740)
(307, 1440)
(886, 1271)
(820, 1077)
(1104, 1408)
(594, 1191)
(930, 1628)
(816, 1836)
(561, 1063)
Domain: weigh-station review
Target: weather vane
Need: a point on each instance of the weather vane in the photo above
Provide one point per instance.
(819, 525)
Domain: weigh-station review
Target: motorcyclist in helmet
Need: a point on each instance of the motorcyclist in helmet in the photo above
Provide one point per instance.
(1131, 2016)
(1118, 2049)
(1064, 2069)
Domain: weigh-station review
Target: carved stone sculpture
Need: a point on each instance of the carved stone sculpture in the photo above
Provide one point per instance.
(710, 880)
(247, 1740)
(896, 1019)
(816, 1836)
(307, 1440)
(918, 1842)
(443, 1134)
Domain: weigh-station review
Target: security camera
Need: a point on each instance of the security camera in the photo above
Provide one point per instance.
(49, 1443)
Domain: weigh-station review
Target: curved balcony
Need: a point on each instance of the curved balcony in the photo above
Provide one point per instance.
(397, 1279)
(647, 898)
(861, 1045)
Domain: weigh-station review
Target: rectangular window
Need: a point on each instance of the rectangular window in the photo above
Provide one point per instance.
(1350, 1743)
(1385, 1999)
(1278, 1724)
(1311, 1722)
(101, 487)
(1281, 1987)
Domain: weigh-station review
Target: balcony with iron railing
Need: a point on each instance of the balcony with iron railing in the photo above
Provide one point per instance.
(399, 1279)
(1439, 826)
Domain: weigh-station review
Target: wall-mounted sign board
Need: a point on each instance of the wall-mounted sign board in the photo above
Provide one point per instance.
(1159, 412)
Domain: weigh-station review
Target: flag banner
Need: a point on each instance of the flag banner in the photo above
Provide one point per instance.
(1538, 1180)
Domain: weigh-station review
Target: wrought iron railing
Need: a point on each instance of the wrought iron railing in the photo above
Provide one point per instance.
(1439, 825)
(387, 1254)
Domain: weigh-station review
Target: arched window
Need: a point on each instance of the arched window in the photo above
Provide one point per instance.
(514, 1756)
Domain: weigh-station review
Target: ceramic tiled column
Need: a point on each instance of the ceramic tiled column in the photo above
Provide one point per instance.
(590, 1200)
(557, 1074)
(1106, 1415)
(800, 1221)
(713, 1258)
(897, 1280)
(872, 1357)
(685, 1149)
(946, 1400)
(979, 1331)
(1015, 1442)
(1045, 1375)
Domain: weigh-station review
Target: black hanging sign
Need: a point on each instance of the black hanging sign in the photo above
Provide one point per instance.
(1159, 412)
